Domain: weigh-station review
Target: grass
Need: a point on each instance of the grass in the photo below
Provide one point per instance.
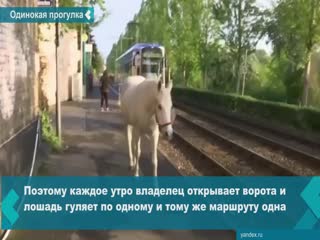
(48, 132)
(302, 118)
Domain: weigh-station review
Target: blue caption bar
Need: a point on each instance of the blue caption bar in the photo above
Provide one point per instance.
(46, 14)
(60, 203)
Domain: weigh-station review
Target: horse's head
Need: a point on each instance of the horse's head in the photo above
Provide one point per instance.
(164, 109)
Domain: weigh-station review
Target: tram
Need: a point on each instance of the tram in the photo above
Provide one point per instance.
(152, 62)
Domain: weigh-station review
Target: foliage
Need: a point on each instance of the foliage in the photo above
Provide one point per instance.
(48, 132)
(73, 3)
(97, 61)
(303, 118)
(212, 44)
(296, 39)
(242, 27)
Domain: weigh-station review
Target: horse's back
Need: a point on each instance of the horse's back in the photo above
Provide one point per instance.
(137, 90)
(127, 91)
(130, 83)
(134, 80)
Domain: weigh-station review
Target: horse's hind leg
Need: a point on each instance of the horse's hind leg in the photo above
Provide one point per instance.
(136, 151)
(138, 154)
(155, 140)
(129, 139)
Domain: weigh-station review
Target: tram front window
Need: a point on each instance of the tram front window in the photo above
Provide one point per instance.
(151, 70)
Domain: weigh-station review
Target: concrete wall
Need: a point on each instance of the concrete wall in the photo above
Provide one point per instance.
(16, 156)
(18, 95)
(68, 57)
(27, 65)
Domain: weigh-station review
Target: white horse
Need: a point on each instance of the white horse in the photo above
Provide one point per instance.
(146, 106)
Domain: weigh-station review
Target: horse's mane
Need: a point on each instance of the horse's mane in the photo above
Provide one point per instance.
(147, 88)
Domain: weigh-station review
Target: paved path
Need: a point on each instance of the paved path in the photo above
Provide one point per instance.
(97, 147)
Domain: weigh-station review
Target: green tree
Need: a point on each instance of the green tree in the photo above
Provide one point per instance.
(242, 24)
(295, 32)
(101, 6)
(186, 34)
(97, 61)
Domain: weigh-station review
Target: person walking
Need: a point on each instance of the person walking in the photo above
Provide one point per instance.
(104, 89)
(90, 79)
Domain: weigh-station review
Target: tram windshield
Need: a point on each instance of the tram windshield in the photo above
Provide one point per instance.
(151, 63)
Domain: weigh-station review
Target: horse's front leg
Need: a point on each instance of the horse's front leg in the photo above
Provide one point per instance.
(155, 140)
(129, 139)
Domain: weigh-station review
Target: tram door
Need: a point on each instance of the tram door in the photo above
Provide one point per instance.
(136, 64)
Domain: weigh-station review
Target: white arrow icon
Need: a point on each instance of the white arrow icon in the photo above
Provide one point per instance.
(88, 15)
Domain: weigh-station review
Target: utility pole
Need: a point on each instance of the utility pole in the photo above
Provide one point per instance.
(115, 62)
(121, 45)
(58, 103)
(121, 42)
(137, 30)
(245, 69)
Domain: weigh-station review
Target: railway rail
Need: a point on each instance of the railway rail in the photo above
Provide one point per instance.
(236, 149)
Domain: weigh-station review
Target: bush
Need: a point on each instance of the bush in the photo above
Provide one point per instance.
(302, 118)
(48, 132)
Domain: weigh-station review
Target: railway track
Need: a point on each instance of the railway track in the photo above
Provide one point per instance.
(188, 160)
(237, 150)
